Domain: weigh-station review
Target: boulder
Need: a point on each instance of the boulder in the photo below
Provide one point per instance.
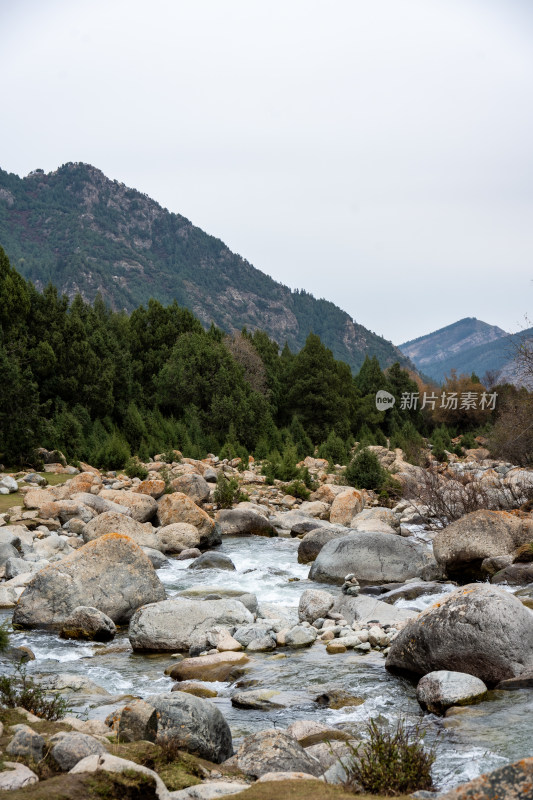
(345, 506)
(478, 629)
(16, 776)
(70, 748)
(111, 574)
(327, 492)
(438, 691)
(272, 751)
(243, 522)
(193, 724)
(514, 575)
(108, 763)
(99, 504)
(514, 782)
(194, 486)
(177, 507)
(315, 508)
(137, 722)
(213, 667)
(171, 624)
(373, 558)
(369, 516)
(314, 604)
(178, 537)
(142, 506)
(300, 636)
(258, 700)
(308, 732)
(462, 546)
(364, 608)
(7, 552)
(9, 483)
(88, 623)
(209, 790)
(26, 743)
(156, 557)
(313, 542)
(153, 487)
(213, 560)
(113, 522)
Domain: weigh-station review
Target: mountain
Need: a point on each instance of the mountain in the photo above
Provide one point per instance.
(89, 234)
(467, 346)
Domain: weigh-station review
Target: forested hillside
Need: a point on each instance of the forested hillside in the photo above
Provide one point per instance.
(88, 234)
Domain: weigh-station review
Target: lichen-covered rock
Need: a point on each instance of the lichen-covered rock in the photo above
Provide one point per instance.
(142, 506)
(314, 540)
(113, 522)
(478, 629)
(153, 487)
(178, 537)
(26, 743)
(137, 722)
(512, 782)
(177, 507)
(273, 751)
(111, 574)
(193, 724)
(345, 506)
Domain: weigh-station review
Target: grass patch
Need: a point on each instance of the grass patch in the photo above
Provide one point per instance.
(303, 790)
(98, 786)
(7, 501)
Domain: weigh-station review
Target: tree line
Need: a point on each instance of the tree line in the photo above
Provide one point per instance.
(102, 385)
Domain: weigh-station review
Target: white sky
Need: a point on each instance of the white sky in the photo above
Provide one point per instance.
(378, 153)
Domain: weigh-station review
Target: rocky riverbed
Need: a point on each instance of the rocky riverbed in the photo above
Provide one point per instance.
(267, 641)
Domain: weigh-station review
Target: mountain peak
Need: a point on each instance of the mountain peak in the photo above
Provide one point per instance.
(87, 233)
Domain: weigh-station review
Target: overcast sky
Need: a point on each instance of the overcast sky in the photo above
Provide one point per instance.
(378, 153)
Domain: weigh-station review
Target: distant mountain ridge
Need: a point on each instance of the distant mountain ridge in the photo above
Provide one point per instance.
(467, 346)
(86, 233)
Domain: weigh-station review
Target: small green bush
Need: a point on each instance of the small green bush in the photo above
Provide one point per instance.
(4, 637)
(365, 472)
(391, 762)
(134, 469)
(20, 690)
(298, 489)
(227, 492)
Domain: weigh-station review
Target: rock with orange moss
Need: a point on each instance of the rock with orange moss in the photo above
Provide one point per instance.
(111, 574)
(154, 488)
(177, 507)
(478, 629)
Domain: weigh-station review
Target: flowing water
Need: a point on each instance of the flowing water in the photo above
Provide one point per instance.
(480, 738)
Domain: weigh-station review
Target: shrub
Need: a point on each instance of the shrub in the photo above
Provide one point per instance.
(134, 469)
(334, 449)
(4, 637)
(365, 472)
(391, 762)
(114, 453)
(227, 492)
(298, 489)
(20, 690)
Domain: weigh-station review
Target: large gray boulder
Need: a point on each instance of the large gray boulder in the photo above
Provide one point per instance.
(213, 560)
(462, 546)
(273, 751)
(313, 542)
(439, 690)
(193, 724)
(69, 748)
(115, 522)
(373, 558)
(111, 574)
(243, 522)
(194, 486)
(172, 624)
(478, 629)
